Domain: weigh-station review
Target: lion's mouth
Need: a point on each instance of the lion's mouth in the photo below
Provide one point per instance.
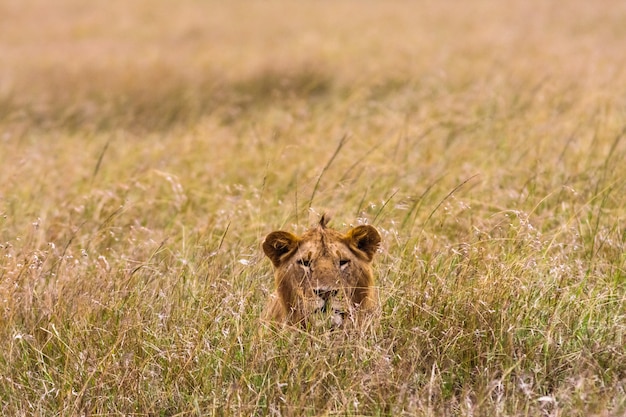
(329, 313)
(327, 320)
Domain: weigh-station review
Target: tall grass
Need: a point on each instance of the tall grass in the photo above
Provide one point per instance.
(147, 150)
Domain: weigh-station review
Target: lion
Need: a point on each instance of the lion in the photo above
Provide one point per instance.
(323, 278)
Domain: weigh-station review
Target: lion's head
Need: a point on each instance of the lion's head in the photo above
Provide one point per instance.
(322, 277)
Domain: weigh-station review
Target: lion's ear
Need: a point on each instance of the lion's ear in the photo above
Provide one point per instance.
(364, 238)
(277, 244)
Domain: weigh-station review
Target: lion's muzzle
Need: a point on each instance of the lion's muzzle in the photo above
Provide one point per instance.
(330, 309)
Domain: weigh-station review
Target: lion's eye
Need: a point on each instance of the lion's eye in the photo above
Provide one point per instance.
(305, 263)
(343, 263)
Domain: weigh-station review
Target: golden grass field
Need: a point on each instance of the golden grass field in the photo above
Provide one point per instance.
(147, 147)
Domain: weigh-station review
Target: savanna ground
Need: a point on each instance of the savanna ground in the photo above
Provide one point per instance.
(147, 148)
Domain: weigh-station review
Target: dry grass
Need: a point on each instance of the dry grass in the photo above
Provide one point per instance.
(148, 148)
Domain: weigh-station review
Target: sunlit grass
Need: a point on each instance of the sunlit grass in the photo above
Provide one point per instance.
(147, 150)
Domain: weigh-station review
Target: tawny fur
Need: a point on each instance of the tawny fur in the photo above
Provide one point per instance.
(322, 271)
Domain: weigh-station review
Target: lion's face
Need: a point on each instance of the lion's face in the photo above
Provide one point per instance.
(323, 277)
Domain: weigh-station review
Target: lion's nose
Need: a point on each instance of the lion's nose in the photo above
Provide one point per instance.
(325, 293)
